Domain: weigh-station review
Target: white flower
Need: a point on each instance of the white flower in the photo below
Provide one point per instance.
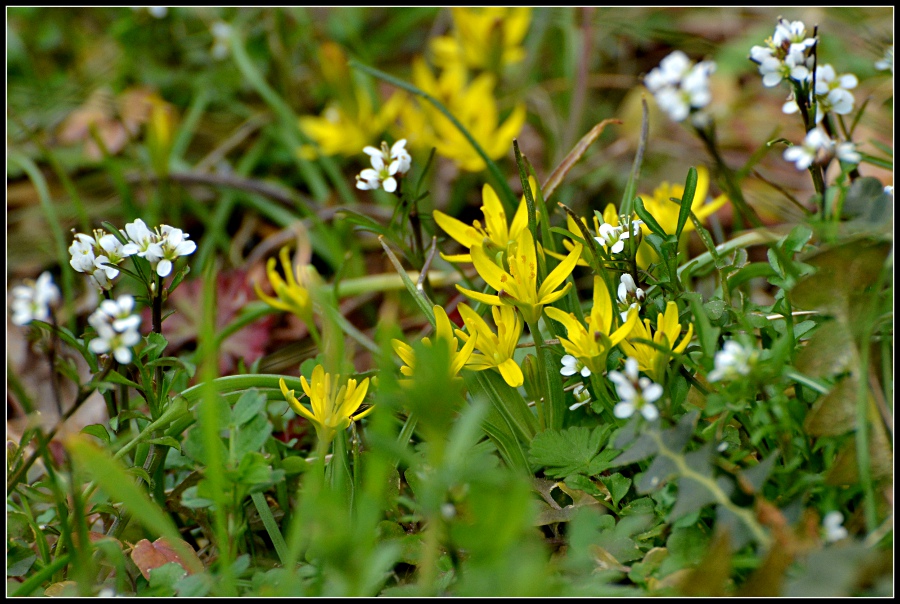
(33, 299)
(733, 361)
(832, 93)
(173, 243)
(582, 397)
(221, 32)
(386, 162)
(832, 524)
(637, 393)
(786, 54)
(143, 242)
(669, 73)
(794, 33)
(815, 146)
(82, 252)
(888, 61)
(613, 237)
(679, 86)
(629, 294)
(571, 366)
(116, 327)
(847, 152)
(97, 256)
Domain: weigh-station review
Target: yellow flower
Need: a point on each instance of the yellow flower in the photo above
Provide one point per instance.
(292, 295)
(495, 227)
(496, 349)
(485, 38)
(443, 334)
(340, 132)
(666, 211)
(591, 344)
(518, 287)
(650, 359)
(333, 407)
(473, 104)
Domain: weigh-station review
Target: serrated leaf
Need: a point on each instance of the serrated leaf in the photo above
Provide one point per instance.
(569, 451)
(156, 344)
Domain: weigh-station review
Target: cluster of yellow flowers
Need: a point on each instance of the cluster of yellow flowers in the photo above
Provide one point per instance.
(469, 61)
(508, 259)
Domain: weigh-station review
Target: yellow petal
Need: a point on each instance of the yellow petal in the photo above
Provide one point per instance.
(601, 313)
(511, 373)
(567, 319)
(625, 330)
(684, 342)
(559, 274)
(480, 297)
(460, 231)
(494, 216)
(492, 274)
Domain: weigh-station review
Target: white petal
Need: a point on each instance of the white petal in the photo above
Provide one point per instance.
(623, 410)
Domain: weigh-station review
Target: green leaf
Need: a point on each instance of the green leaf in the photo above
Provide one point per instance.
(156, 344)
(569, 451)
(617, 485)
(166, 441)
(648, 219)
(252, 436)
(251, 404)
(98, 430)
(690, 187)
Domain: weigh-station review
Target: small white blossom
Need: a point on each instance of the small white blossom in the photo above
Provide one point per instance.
(386, 163)
(629, 294)
(832, 93)
(732, 362)
(815, 147)
(221, 33)
(97, 256)
(173, 243)
(582, 397)
(637, 393)
(888, 61)
(571, 366)
(33, 300)
(679, 86)
(832, 524)
(613, 237)
(116, 327)
(786, 55)
(847, 152)
(142, 242)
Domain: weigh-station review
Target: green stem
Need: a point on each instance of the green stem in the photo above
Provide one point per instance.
(543, 401)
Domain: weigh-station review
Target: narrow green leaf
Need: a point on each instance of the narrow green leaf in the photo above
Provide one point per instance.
(687, 200)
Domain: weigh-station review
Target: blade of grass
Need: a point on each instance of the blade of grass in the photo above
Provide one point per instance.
(690, 187)
(268, 520)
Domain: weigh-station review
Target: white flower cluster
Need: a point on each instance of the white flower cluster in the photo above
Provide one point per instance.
(630, 295)
(33, 300)
(832, 93)
(613, 237)
(386, 164)
(98, 255)
(818, 147)
(680, 86)
(786, 55)
(637, 393)
(116, 327)
(888, 61)
(733, 361)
